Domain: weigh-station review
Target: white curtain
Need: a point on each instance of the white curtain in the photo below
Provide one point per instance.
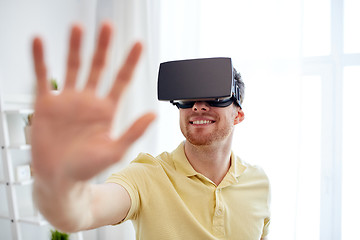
(135, 20)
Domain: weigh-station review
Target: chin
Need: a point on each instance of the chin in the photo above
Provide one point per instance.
(199, 143)
(201, 138)
(197, 140)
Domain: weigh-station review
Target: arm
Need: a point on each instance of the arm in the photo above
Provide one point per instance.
(85, 206)
(71, 140)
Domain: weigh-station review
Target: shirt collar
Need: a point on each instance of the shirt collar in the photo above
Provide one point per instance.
(236, 169)
(181, 162)
(183, 165)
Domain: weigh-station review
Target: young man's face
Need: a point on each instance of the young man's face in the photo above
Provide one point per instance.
(205, 125)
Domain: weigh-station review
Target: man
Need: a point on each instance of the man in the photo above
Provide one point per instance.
(199, 191)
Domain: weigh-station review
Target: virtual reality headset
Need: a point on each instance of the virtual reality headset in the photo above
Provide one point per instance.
(207, 79)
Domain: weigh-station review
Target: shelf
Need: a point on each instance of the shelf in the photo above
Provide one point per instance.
(36, 220)
(16, 161)
(3, 216)
(18, 183)
(18, 111)
(24, 183)
(20, 147)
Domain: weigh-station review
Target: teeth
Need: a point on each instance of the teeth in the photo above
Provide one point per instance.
(202, 122)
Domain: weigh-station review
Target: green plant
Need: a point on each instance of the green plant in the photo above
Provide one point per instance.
(29, 119)
(54, 84)
(56, 235)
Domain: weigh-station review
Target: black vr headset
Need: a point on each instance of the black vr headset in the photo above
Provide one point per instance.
(207, 79)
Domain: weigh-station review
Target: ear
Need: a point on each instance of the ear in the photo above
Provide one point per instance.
(239, 116)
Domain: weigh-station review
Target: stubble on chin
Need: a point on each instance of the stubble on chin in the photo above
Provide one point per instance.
(199, 138)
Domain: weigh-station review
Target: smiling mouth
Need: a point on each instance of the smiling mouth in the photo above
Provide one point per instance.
(201, 122)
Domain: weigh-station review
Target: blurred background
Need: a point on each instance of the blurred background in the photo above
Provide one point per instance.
(300, 60)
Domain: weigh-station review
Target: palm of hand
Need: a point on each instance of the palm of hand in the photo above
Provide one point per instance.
(71, 131)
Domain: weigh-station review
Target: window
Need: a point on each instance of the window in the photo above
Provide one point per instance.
(351, 153)
(309, 166)
(351, 26)
(316, 28)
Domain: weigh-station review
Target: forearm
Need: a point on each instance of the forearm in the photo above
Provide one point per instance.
(67, 208)
(82, 206)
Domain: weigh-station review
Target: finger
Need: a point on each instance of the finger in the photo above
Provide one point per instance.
(133, 133)
(39, 66)
(73, 61)
(99, 57)
(125, 73)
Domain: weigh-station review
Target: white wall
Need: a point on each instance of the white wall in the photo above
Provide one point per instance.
(21, 20)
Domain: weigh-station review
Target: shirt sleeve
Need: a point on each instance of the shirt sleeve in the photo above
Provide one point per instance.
(134, 178)
(266, 228)
(121, 179)
(267, 219)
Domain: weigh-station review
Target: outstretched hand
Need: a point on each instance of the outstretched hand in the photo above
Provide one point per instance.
(71, 131)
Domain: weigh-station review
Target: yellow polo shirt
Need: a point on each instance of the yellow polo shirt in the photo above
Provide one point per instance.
(170, 200)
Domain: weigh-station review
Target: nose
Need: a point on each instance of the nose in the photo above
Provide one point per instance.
(200, 106)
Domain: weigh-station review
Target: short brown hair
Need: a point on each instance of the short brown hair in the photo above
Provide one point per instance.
(240, 83)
